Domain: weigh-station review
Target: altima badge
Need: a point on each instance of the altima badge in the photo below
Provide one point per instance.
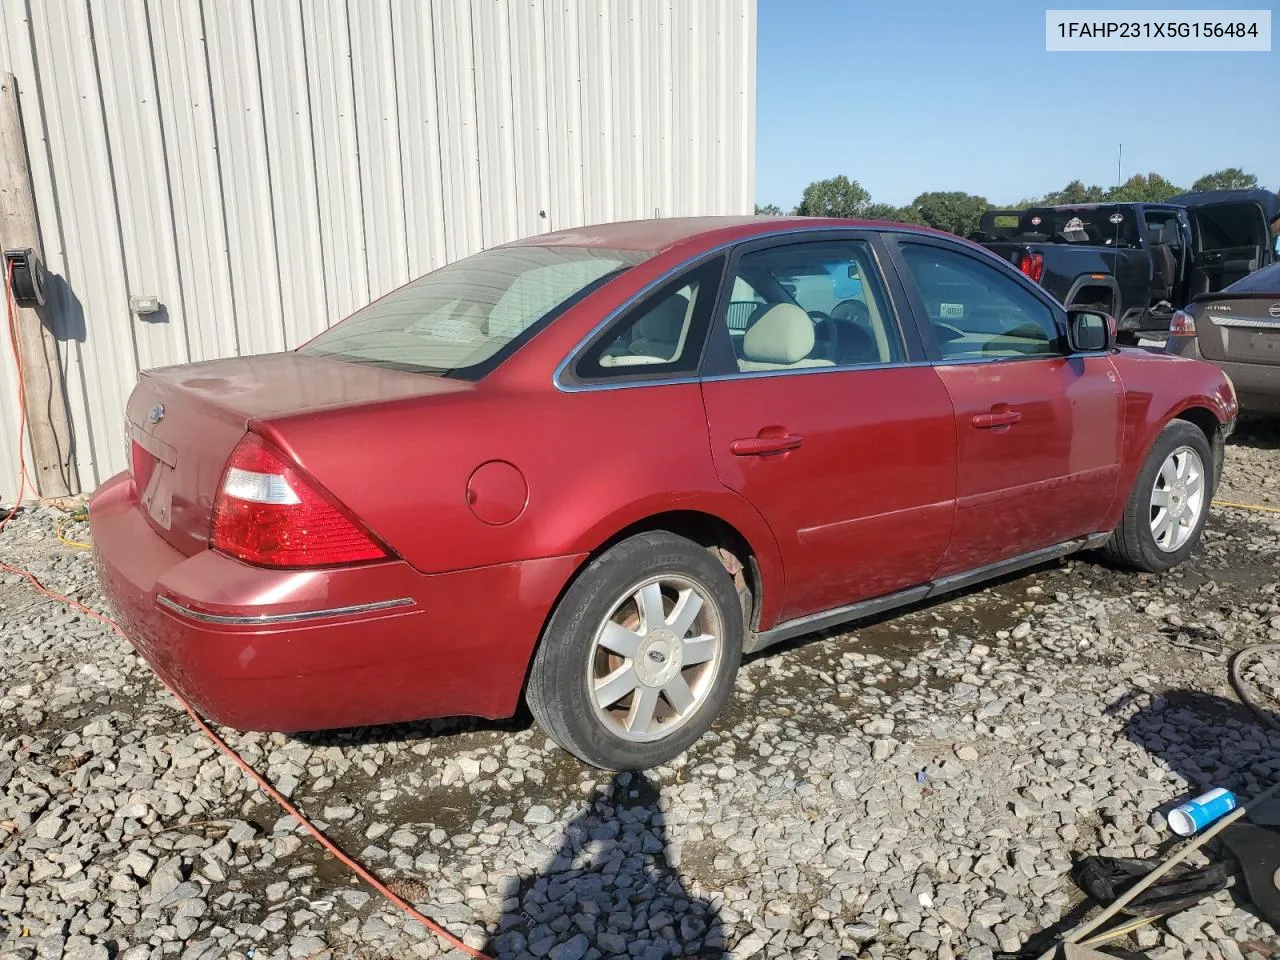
(155, 414)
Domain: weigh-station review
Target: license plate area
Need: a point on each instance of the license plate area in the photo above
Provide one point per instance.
(153, 463)
(1252, 344)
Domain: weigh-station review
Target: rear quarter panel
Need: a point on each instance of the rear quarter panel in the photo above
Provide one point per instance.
(593, 464)
(1160, 387)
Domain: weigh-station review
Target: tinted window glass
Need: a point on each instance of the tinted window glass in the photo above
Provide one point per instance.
(463, 319)
(977, 311)
(1105, 226)
(663, 334)
(810, 305)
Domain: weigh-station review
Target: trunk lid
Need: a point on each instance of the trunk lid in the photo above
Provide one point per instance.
(183, 422)
(1241, 328)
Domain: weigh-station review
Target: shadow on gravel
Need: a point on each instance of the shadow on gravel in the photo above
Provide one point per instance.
(1257, 432)
(1209, 741)
(609, 886)
(412, 732)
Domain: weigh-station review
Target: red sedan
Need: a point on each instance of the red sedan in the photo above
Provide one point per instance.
(594, 468)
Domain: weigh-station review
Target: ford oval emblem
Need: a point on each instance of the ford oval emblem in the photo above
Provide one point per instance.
(1275, 311)
(156, 413)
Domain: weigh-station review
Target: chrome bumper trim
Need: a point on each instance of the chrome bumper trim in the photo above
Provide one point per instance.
(267, 618)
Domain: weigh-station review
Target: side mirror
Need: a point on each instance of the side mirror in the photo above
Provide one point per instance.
(1090, 332)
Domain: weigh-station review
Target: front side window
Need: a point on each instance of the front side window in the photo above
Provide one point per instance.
(810, 305)
(465, 318)
(976, 311)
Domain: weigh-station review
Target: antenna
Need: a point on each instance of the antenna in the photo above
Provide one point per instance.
(1118, 159)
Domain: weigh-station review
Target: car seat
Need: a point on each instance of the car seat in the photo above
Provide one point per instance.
(1164, 267)
(779, 336)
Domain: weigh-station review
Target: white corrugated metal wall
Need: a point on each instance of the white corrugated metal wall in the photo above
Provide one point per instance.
(266, 166)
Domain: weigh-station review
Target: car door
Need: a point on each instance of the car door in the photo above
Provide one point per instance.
(1038, 429)
(818, 415)
(1231, 237)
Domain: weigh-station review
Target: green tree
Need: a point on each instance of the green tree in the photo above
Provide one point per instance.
(837, 197)
(1076, 192)
(1232, 178)
(887, 211)
(1143, 188)
(954, 210)
(768, 210)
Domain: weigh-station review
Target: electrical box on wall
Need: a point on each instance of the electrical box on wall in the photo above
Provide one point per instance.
(26, 274)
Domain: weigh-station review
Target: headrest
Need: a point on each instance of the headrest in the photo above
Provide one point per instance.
(1155, 235)
(778, 333)
(665, 322)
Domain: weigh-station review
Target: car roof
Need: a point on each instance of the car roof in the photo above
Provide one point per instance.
(661, 234)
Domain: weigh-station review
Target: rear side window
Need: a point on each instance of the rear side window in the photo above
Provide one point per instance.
(664, 334)
(464, 319)
(978, 312)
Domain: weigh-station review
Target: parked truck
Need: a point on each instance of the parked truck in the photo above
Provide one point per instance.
(1139, 262)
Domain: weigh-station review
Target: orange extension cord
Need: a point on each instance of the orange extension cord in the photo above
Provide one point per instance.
(358, 869)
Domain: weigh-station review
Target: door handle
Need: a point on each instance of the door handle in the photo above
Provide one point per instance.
(992, 421)
(762, 446)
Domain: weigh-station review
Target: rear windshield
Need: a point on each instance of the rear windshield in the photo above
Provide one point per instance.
(1095, 226)
(464, 319)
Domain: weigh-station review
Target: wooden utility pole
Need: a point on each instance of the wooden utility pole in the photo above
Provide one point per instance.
(48, 425)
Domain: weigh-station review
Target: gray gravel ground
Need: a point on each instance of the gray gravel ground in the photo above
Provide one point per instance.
(914, 788)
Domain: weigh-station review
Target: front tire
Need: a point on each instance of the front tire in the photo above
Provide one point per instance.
(640, 654)
(1169, 504)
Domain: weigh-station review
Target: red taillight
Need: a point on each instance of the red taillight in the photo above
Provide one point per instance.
(1182, 324)
(269, 513)
(1032, 265)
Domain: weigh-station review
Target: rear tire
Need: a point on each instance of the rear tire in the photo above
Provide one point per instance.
(639, 656)
(1169, 502)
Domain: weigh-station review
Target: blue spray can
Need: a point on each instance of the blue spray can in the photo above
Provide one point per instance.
(1195, 815)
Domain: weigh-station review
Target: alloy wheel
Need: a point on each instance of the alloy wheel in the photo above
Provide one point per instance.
(654, 658)
(1177, 499)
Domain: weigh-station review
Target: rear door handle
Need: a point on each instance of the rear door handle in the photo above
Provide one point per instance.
(762, 446)
(990, 421)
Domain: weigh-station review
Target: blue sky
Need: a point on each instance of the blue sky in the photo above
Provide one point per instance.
(906, 96)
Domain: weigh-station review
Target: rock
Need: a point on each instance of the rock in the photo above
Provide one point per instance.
(574, 949)
(880, 727)
(539, 815)
(306, 946)
(1187, 926)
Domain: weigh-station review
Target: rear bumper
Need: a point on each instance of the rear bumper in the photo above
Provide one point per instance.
(318, 649)
(1257, 384)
